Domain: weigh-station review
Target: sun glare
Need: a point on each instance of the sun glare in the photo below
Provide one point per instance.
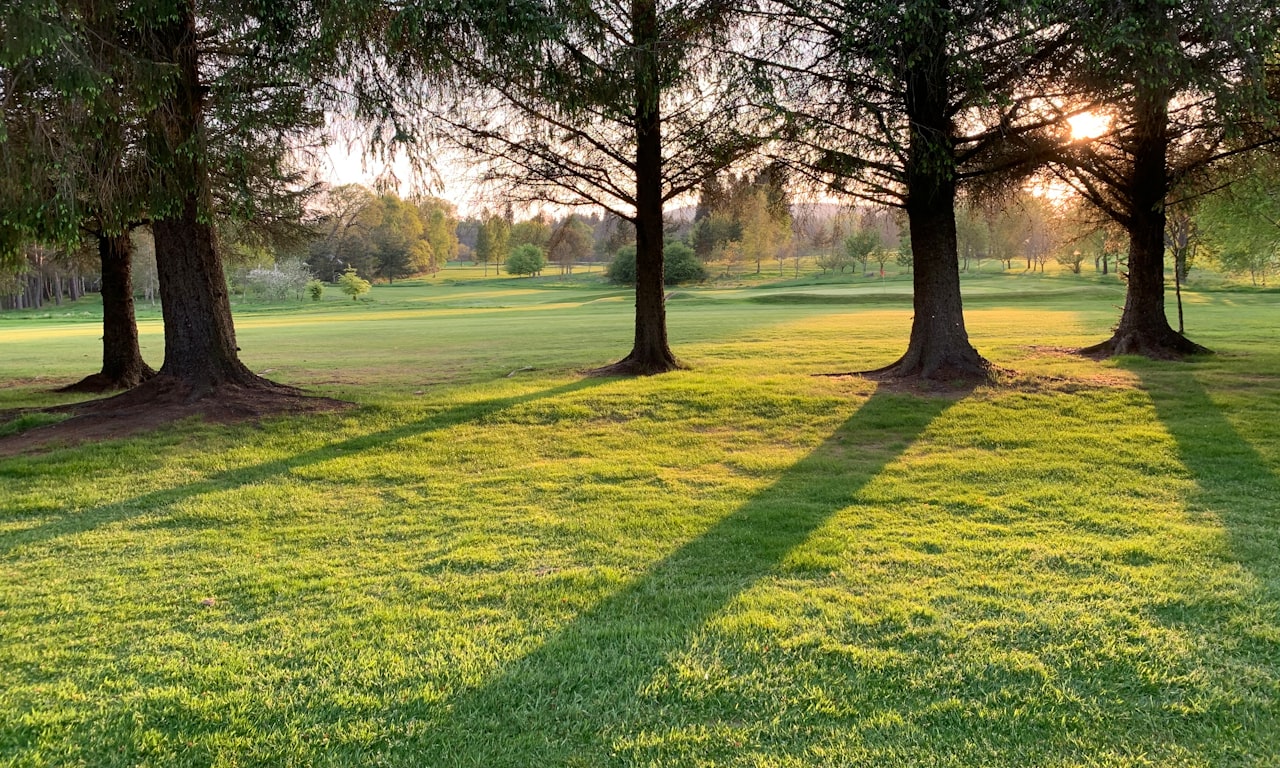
(1088, 125)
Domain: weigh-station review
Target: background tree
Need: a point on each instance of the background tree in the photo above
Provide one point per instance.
(973, 235)
(763, 232)
(343, 224)
(1242, 224)
(492, 242)
(533, 231)
(683, 265)
(614, 233)
(440, 231)
(571, 241)
(526, 259)
(1043, 235)
(397, 239)
(1112, 247)
(281, 281)
(861, 245)
(352, 284)
(1182, 239)
(1007, 229)
(623, 106)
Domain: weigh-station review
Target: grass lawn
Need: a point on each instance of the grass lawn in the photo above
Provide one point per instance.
(496, 562)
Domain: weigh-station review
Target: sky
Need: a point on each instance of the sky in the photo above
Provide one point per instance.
(344, 162)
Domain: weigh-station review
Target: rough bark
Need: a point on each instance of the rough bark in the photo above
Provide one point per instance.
(202, 375)
(122, 363)
(200, 343)
(1144, 328)
(939, 348)
(650, 353)
(200, 340)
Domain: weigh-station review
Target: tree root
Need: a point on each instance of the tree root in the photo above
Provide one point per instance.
(100, 383)
(1155, 344)
(630, 366)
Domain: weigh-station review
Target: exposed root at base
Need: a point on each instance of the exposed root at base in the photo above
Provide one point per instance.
(164, 400)
(630, 367)
(100, 383)
(943, 380)
(1152, 344)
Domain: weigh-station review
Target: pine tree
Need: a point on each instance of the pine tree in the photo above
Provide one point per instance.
(1185, 84)
(625, 106)
(900, 104)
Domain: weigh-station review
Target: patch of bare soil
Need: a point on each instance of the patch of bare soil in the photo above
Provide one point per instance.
(631, 368)
(160, 401)
(100, 383)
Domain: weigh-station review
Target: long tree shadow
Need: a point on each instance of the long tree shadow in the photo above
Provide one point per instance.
(1235, 482)
(72, 523)
(566, 701)
(1230, 609)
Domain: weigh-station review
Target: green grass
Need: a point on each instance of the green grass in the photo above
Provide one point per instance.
(737, 565)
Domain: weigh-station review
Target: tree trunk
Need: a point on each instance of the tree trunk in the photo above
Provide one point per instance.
(1144, 328)
(939, 348)
(122, 364)
(650, 353)
(200, 342)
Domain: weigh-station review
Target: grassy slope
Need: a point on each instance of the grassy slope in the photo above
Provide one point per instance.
(738, 565)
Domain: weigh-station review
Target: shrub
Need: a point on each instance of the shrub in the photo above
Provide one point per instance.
(277, 283)
(352, 284)
(680, 265)
(315, 289)
(526, 259)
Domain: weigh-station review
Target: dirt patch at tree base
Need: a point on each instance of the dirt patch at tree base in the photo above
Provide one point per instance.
(160, 401)
(100, 383)
(1157, 344)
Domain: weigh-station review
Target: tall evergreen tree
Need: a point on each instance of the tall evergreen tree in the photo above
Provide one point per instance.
(901, 104)
(1186, 87)
(150, 101)
(69, 155)
(625, 106)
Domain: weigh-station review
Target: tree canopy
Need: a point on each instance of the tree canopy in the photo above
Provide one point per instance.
(1185, 86)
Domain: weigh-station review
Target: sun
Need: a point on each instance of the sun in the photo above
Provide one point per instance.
(1088, 125)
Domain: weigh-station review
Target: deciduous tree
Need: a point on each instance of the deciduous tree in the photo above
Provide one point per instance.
(1242, 223)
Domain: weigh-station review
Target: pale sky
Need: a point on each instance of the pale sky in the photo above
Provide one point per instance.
(344, 162)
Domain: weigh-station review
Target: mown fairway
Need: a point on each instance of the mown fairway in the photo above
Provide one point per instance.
(496, 562)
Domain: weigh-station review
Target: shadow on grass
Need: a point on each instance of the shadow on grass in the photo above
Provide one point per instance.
(1235, 482)
(566, 702)
(71, 524)
(1234, 615)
